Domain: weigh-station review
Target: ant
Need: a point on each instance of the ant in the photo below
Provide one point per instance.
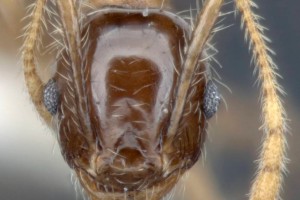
(132, 94)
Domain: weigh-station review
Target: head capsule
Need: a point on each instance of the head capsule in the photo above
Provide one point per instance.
(132, 62)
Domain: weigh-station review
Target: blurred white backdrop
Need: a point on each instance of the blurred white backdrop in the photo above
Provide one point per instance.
(29, 154)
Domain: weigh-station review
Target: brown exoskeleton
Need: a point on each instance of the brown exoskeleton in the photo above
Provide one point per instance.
(132, 94)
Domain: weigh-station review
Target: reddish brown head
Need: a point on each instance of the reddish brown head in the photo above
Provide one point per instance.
(115, 136)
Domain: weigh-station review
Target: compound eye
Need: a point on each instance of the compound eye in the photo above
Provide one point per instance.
(51, 96)
(211, 100)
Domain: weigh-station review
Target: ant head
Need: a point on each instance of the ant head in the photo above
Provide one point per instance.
(116, 135)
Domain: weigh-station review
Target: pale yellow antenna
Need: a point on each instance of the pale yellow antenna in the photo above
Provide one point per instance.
(267, 183)
(33, 81)
(205, 22)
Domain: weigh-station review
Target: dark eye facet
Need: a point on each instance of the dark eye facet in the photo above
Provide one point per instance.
(212, 99)
(51, 96)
